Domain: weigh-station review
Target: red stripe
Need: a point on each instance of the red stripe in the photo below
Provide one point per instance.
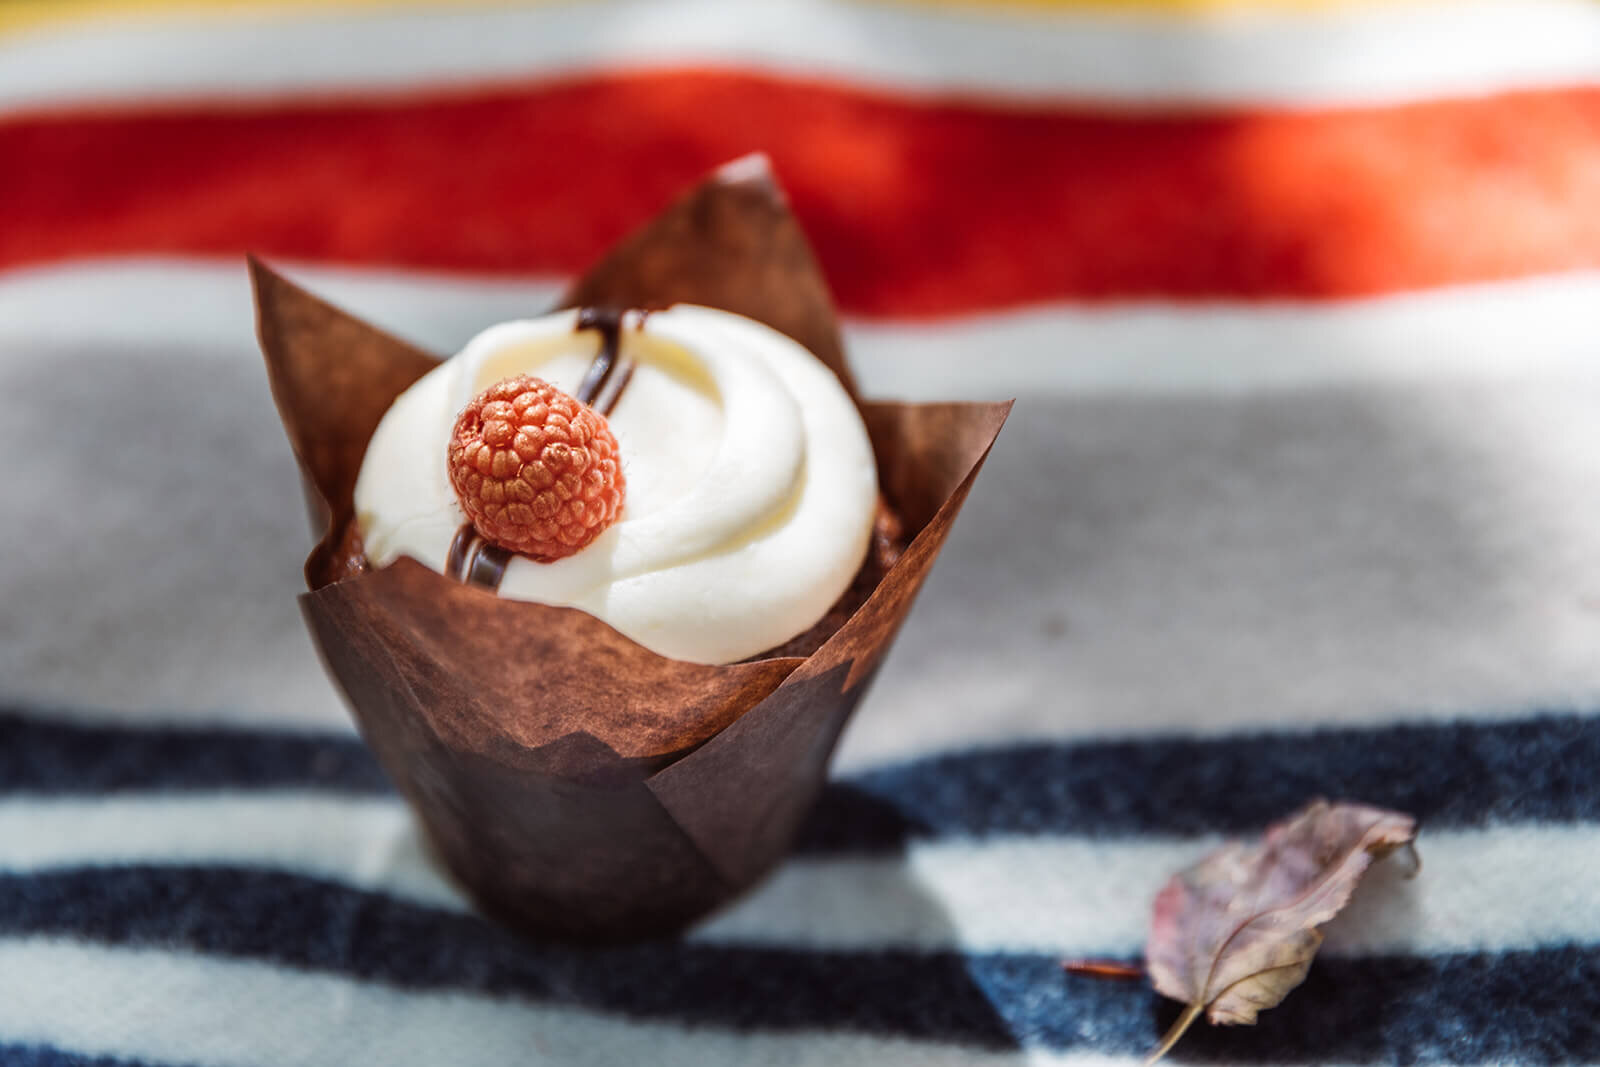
(916, 207)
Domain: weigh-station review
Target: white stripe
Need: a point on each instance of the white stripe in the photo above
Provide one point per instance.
(366, 843)
(1461, 334)
(205, 304)
(179, 1008)
(1496, 889)
(1367, 53)
(1514, 887)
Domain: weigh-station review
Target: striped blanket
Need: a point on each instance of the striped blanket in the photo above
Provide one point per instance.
(1300, 299)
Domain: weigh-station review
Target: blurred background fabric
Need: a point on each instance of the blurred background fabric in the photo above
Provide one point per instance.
(1300, 300)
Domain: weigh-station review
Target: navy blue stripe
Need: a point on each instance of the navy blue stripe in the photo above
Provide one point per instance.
(45, 1056)
(38, 755)
(1457, 775)
(1537, 1006)
(1460, 774)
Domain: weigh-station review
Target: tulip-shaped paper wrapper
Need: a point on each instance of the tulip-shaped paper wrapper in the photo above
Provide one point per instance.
(577, 784)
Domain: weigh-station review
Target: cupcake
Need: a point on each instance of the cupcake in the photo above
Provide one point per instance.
(611, 718)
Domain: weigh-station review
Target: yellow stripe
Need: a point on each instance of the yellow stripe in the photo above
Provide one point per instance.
(1159, 7)
(21, 15)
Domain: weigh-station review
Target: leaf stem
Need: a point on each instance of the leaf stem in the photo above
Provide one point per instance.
(1102, 968)
(1415, 857)
(1179, 1028)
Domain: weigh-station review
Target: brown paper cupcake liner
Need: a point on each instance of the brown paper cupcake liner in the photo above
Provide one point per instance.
(577, 784)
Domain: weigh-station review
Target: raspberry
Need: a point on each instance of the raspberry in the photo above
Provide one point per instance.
(536, 470)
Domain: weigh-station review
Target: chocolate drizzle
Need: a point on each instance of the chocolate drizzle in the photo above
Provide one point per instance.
(611, 371)
(474, 561)
(455, 564)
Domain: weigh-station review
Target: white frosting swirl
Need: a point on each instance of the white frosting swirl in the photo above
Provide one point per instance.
(751, 485)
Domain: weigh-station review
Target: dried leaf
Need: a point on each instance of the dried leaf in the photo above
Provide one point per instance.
(1232, 935)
